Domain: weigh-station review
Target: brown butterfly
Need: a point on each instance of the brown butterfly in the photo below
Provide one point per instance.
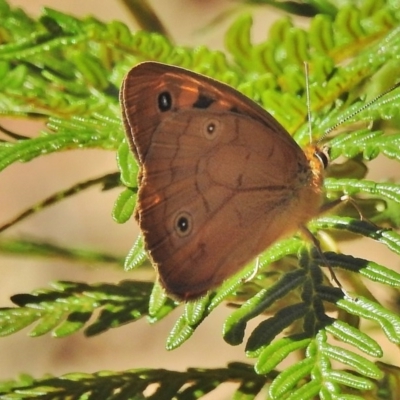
(221, 179)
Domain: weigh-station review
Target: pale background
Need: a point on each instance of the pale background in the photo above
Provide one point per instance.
(86, 220)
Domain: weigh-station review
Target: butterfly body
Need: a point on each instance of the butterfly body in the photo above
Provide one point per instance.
(221, 180)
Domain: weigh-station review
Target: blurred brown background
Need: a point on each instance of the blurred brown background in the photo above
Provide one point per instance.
(86, 220)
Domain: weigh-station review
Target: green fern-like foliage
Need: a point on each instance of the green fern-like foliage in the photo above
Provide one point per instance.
(68, 72)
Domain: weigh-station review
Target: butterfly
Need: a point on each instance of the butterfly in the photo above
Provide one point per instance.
(220, 179)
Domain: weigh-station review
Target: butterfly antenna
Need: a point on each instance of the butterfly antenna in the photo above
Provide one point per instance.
(365, 106)
(308, 100)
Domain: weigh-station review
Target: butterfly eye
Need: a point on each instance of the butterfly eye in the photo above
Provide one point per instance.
(323, 156)
(183, 224)
(164, 101)
(211, 128)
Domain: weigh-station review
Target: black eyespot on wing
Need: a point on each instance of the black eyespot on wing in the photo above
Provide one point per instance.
(203, 101)
(183, 224)
(164, 101)
(211, 128)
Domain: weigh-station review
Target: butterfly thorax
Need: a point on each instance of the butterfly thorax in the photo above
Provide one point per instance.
(308, 196)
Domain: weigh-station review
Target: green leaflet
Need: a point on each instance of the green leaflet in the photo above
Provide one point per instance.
(349, 334)
(159, 304)
(388, 321)
(181, 332)
(271, 356)
(128, 165)
(124, 205)
(136, 256)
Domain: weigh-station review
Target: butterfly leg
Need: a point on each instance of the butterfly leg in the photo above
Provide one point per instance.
(346, 199)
